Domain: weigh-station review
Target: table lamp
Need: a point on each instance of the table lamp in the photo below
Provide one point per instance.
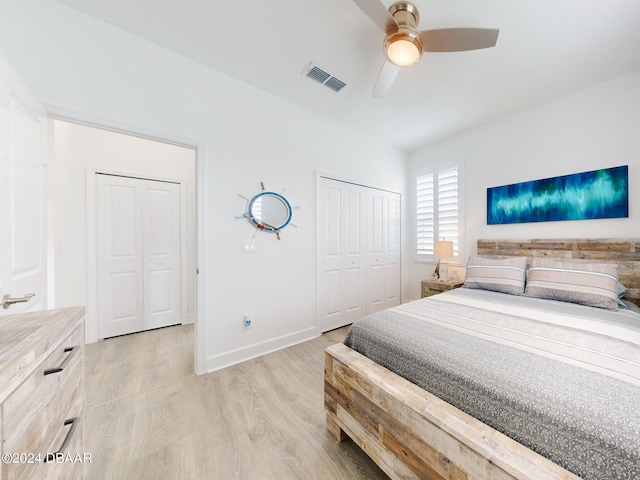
(444, 249)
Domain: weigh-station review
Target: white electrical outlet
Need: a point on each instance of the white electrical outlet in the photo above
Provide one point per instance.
(246, 322)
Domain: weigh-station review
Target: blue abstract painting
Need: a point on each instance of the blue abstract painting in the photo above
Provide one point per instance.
(581, 196)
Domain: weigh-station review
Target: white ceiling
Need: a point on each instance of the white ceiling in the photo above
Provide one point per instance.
(546, 49)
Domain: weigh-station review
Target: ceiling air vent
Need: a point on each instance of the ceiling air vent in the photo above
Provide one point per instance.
(314, 72)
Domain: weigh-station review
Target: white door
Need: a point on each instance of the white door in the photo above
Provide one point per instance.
(161, 251)
(341, 282)
(358, 263)
(138, 254)
(383, 250)
(23, 140)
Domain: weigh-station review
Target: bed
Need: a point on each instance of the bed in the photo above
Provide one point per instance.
(414, 432)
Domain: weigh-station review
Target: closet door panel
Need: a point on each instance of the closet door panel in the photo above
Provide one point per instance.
(392, 253)
(340, 263)
(119, 250)
(329, 303)
(353, 265)
(161, 250)
(383, 250)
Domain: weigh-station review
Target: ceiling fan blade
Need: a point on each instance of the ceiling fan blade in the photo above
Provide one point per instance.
(458, 39)
(377, 12)
(386, 77)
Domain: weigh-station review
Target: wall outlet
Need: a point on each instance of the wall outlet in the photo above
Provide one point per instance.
(246, 322)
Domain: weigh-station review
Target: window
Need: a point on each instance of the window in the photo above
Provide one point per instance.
(438, 209)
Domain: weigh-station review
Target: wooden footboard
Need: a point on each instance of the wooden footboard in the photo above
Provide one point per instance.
(410, 433)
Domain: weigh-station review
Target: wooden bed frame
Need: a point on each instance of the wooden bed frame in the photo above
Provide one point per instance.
(624, 252)
(411, 433)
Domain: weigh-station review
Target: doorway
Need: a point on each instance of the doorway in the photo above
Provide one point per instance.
(81, 151)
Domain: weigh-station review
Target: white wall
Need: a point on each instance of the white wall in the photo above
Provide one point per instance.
(79, 149)
(86, 69)
(591, 129)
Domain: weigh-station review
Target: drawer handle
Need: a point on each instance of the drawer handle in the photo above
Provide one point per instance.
(74, 424)
(64, 363)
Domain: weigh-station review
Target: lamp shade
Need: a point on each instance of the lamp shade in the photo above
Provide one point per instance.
(444, 248)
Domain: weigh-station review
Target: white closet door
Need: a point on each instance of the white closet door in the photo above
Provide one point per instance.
(161, 249)
(120, 280)
(358, 252)
(341, 282)
(138, 254)
(383, 250)
(23, 141)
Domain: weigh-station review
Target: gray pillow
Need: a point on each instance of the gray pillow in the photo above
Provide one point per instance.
(592, 284)
(505, 275)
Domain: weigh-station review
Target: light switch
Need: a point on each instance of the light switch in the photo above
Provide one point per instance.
(249, 246)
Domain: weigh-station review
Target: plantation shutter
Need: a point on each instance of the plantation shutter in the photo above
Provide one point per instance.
(437, 210)
(425, 239)
(448, 212)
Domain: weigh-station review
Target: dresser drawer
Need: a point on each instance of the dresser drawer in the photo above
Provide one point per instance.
(35, 413)
(69, 464)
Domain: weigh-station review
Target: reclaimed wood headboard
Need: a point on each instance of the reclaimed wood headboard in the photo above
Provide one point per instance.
(623, 251)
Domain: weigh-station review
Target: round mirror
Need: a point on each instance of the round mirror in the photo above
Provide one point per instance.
(269, 211)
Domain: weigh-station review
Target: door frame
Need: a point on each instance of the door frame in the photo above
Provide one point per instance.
(91, 322)
(201, 151)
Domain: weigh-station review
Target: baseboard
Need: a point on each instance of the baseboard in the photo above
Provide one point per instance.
(226, 359)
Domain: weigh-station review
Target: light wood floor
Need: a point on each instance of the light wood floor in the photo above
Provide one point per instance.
(149, 417)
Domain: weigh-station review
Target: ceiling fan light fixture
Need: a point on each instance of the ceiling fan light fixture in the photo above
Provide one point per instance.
(403, 46)
(403, 43)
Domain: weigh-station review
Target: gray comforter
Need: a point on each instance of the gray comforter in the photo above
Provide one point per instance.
(561, 379)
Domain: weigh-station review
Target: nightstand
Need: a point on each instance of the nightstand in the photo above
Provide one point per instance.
(432, 287)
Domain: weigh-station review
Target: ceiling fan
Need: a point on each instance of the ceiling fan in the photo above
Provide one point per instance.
(404, 44)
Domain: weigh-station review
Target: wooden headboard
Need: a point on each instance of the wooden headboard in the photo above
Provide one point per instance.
(624, 252)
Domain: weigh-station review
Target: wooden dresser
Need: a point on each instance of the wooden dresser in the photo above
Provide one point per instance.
(42, 395)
